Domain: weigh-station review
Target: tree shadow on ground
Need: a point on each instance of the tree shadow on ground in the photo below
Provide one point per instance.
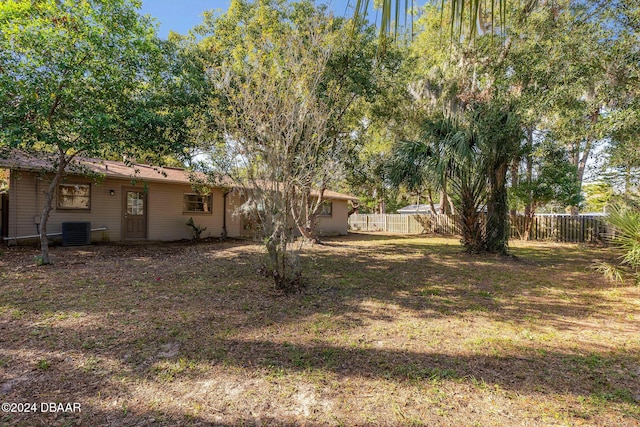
(523, 369)
(124, 418)
(431, 277)
(131, 309)
(595, 374)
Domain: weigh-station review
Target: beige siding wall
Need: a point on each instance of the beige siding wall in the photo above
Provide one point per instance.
(165, 221)
(234, 220)
(165, 217)
(19, 223)
(26, 201)
(337, 223)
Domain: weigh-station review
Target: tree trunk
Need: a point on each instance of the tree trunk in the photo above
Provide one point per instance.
(452, 208)
(469, 221)
(528, 221)
(284, 265)
(45, 259)
(445, 205)
(431, 205)
(529, 172)
(307, 225)
(470, 191)
(581, 161)
(514, 180)
(354, 209)
(497, 238)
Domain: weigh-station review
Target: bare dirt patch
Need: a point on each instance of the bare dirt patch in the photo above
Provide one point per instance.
(391, 330)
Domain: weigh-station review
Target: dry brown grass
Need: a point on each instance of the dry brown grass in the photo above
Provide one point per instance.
(391, 330)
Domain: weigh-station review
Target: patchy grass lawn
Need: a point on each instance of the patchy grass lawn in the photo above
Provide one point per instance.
(392, 330)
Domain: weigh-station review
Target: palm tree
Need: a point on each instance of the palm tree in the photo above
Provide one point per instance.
(499, 135)
(475, 146)
(468, 16)
(447, 154)
(625, 236)
(472, 152)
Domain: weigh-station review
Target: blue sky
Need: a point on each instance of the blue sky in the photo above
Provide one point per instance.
(182, 15)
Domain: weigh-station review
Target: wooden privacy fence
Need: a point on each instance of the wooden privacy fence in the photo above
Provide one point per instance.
(561, 228)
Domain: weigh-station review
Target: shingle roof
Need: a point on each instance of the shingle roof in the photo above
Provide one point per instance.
(85, 165)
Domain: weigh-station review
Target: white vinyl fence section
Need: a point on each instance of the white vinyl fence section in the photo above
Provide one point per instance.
(560, 228)
(407, 224)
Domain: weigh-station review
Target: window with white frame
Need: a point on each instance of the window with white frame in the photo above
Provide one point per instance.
(194, 202)
(74, 196)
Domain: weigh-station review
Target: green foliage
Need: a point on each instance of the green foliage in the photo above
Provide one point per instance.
(472, 154)
(552, 72)
(464, 17)
(470, 193)
(610, 272)
(448, 152)
(622, 165)
(75, 76)
(554, 178)
(627, 224)
(498, 126)
(625, 221)
(571, 68)
(598, 196)
(196, 230)
(43, 365)
(464, 85)
(287, 79)
(374, 122)
(86, 78)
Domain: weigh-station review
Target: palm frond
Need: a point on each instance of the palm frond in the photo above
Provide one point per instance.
(610, 272)
(462, 13)
(409, 164)
(626, 233)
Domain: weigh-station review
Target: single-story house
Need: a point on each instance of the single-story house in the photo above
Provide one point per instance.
(128, 201)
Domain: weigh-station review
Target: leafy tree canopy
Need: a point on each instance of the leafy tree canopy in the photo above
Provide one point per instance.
(86, 78)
